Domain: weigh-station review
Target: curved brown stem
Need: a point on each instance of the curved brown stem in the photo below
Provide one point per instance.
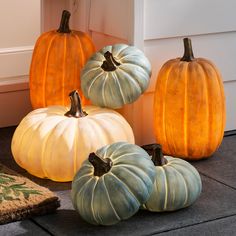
(110, 63)
(76, 107)
(64, 25)
(188, 50)
(155, 151)
(101, 166)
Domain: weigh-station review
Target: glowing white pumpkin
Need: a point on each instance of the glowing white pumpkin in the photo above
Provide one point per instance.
(53, 142)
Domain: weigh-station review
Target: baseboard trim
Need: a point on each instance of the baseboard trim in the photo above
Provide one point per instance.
(230, 133)
(14, 84)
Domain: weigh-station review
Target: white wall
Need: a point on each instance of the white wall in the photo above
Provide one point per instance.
(19, 27)
(51, 13)
(21, 23)
(167, 19)
(19, 30)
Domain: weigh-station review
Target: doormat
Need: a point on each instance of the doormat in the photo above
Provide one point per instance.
(20, 198)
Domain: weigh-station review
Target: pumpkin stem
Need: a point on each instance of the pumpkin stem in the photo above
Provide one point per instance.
(110, 63)
(76, 107)
(155, 151)
(101, 166)
(188, 50)
(64, 25)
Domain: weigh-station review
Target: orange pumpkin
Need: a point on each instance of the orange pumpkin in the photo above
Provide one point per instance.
(57, 60)
(189, 107)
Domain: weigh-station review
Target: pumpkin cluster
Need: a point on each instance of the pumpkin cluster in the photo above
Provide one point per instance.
(119, 179)
(79, 137)
(53, 140)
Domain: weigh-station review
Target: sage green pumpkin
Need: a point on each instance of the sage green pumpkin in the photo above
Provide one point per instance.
(177, 185)
(116, 75)
(113, 183)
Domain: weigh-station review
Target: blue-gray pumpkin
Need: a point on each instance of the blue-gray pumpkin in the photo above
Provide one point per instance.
(177, 185)
(113, 183)
(115, 75)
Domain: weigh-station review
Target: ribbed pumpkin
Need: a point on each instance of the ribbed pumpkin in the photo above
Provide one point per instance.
(113, 183)
(53, 142)
(57, 60)
(115, 76)
(177, 185)
(189, 107)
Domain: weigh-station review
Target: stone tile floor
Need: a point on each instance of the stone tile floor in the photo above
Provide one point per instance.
(213, 214)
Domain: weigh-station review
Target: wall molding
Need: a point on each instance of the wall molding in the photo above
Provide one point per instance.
(15, 62)
(11, 50)
(13, 84)
(136, 35)
(181, 18)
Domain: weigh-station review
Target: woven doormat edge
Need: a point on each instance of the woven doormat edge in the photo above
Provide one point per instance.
(46, 207)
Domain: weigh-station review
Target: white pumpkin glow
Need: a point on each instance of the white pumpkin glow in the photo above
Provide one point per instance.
(52, 142)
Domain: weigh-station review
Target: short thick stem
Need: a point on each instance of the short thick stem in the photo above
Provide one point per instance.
(101, 166)
(110, 64)
(155, 151)
(64, 25)
(76, 107)
(188, 51)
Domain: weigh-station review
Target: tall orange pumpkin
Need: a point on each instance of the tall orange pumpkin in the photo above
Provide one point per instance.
(57, 60)
(189, 107)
